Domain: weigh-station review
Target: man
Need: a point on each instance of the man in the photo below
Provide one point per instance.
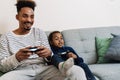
(25, 51)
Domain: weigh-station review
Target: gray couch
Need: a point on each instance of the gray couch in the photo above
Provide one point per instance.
(83, 41)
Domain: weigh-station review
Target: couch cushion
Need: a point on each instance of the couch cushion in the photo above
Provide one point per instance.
(113, 51)
(106, 71)
(102, 45)
(83, 40)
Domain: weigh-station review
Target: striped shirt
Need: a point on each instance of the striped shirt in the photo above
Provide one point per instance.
(10, 44)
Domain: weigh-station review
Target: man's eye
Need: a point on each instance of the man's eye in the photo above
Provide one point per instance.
(32, 17)
(24, 16)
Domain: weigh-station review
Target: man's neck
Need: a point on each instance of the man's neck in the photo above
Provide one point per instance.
(21, 31)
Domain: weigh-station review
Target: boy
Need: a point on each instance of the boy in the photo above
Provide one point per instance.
(65, 57)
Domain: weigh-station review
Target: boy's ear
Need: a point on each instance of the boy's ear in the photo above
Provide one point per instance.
(51, 43)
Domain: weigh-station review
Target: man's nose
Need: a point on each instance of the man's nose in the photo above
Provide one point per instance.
(29, 19)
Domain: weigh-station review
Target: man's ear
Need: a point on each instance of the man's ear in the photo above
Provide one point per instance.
(17, 17)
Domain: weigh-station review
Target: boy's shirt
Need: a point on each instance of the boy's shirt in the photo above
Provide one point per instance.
(63, 53)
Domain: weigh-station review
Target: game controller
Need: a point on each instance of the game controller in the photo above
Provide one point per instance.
(33, 49)
(64, 53)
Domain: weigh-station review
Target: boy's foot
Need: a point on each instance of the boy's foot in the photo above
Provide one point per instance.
(64, 66)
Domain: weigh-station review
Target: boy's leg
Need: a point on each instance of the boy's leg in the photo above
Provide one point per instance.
(85, 67)
(76, 73)
(56, 59)
(66, 65)
(88, 72)
(62, 65)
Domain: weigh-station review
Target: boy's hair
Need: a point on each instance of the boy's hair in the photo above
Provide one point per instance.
(25, 3)
(51, 35)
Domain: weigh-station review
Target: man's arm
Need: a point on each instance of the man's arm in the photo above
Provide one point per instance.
(7, 61)
(46, 45)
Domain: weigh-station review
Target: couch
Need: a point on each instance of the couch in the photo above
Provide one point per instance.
(84, 43)
(83, 40)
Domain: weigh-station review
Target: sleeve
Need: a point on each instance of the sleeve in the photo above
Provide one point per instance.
(7, 61)
(79, 59)
(44, 39)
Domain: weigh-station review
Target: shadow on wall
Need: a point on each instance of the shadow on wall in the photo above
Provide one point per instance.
(3, 27)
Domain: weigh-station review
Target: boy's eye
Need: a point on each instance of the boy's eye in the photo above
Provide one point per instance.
(56, 39)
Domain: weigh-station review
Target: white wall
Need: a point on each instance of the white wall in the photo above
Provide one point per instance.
(64, 14)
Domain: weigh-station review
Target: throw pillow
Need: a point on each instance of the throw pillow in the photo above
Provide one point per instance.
(1, 73)
(102, 45)
(113, 51)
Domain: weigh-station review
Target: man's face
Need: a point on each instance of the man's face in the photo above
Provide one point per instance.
(57, 40)
(25, 18)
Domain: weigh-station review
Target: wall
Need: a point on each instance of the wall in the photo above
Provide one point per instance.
(64, 14)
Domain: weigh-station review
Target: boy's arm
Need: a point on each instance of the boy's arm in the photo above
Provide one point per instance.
(78, 59)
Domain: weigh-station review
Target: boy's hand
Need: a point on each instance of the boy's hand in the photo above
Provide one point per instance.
(71, 55)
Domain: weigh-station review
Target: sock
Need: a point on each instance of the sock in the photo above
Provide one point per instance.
(64, 66)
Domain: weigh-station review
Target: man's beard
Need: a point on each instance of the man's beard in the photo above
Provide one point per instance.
(26, 24)
(27, 29)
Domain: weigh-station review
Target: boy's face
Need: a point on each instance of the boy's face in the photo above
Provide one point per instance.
(57, 40)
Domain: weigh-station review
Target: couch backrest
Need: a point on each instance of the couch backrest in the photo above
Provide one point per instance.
(83, 40)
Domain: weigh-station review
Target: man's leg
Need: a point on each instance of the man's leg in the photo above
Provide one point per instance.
(49, 73)
(52, 73)
(19, 75)
(36, 72)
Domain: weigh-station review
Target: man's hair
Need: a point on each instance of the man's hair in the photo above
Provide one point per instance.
(25, 3)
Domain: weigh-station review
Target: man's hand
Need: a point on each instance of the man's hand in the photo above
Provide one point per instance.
(23, 54)
(43, 52)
